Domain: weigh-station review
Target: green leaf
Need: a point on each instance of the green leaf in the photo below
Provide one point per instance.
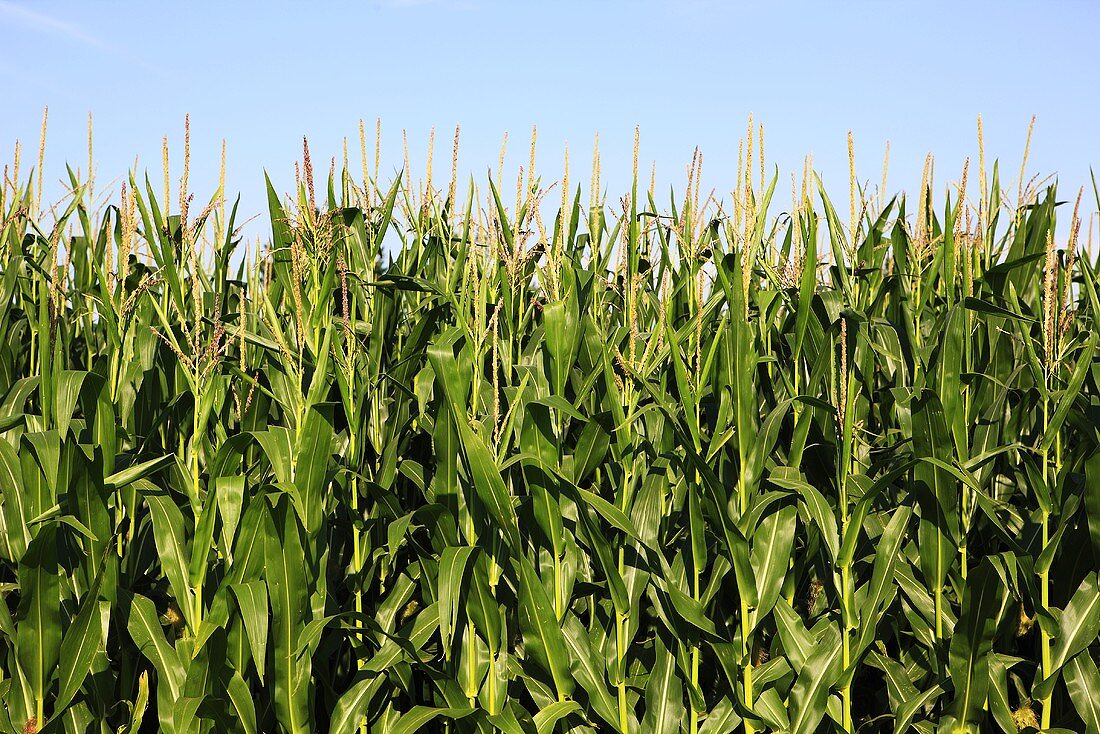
(1070, 394)
(547, 718)
(935, 490)
(911, 706)
(811, 688)
(145, 630)
(587, 668)
(66, 394)
(285, 573)
(487, 480)
(138, 471)
(798, 643)
(1083, 682)
(771, 552)
(244, 708)
(980, 306)
(168, 532)
(721, 719)
(252, 602)
(229, 492)
(1078, 628)
(351, 708)
(452, 571)
(881, 589)
(38, 619)
(819, 510)
(418, 716)
(664, 698)
(311, 464)
(542, 635)
(563, 337)
(141, 701)
(82, 641)
(972, 643)
(1091, 493)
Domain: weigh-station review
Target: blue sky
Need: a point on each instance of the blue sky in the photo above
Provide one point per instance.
(688, 72)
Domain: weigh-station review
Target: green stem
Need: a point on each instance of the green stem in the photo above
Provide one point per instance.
(356, 547)
(621, 618)
(195, 440)
(34, 332)
(120, 509)
(1044, 577)
(695, 683)
(695, 648)
(846, 653)
(471, 663)
(965, 492)
(846, 462)
(746, 671)
(492, 684)
(796, 408)
(620, 641)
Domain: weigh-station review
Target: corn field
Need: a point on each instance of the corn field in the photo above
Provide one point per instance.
(507, 456)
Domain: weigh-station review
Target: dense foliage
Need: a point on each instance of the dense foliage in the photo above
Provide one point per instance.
(453, 461)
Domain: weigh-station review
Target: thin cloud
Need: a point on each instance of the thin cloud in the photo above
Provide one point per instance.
(48, 24)
(458, 4)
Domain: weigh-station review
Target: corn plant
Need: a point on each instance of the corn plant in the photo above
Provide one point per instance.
(516, 456)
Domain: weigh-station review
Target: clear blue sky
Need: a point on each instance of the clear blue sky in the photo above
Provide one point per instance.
(687, 71)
